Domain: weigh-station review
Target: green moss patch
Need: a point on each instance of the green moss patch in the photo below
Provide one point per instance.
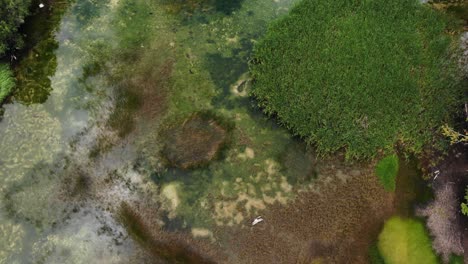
(405, 241)
(454, 259)
(387, 170)
(358, 75)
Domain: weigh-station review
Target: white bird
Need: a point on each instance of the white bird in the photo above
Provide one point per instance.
(257, 220)
(41, 5)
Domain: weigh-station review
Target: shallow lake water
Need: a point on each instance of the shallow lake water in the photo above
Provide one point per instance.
(82, 176)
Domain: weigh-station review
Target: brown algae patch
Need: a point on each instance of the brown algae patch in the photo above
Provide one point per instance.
(336, 225)
(246, 197)
(165, 247)
(197, 141)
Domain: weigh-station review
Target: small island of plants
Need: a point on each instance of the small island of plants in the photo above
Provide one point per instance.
(359, 75)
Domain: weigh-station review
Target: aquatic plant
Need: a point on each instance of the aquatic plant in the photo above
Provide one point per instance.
(7, 82)
(34, 73)
(171, 251)
(39, 63)
(387, 170)
(405, 241)
(196, 141)
(225, 7)
(464, 205)
(360, 76)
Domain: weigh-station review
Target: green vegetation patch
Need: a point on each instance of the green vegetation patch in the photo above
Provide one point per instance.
(464, 204)
(454, 259)
(358, 75)
(405, 241)
(7, 82)
(387, 170)
(39, 64)
(12, 14)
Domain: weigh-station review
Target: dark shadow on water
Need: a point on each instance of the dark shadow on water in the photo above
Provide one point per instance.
(191, 8)
(227, 6)
(37, 60)
(411, 188)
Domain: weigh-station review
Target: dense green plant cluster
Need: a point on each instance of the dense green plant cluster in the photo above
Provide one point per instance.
(464, 204)
(405, 241)
(359, 75)
(387, 170)
(7, 82)
(454, 259)
(12, 13)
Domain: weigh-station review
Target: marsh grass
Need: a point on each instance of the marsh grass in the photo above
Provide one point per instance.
(361, 76)
(7, 82)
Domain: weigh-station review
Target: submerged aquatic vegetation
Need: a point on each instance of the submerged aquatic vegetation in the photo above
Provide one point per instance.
(7, 82)
(406, 241)
(225, 7)
(360, 76)
(172, 250)
(35, 70)
(197, 141)
(34, 73)
(387, 170)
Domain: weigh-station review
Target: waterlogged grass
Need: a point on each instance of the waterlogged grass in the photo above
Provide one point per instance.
(406, 241)
(387, 170)
(7, 82)
(359, 76)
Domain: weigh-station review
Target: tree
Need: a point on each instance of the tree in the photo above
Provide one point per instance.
(12, 14)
